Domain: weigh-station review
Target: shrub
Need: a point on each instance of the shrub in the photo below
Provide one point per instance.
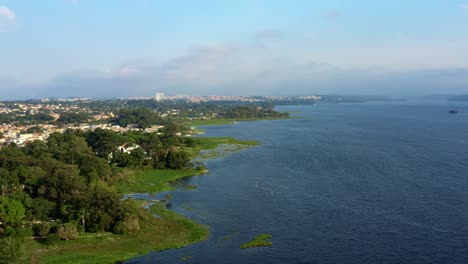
(67, 231)
(52, 239)
(42, 229)
(131, 223)
(25, 231)
(11, 250)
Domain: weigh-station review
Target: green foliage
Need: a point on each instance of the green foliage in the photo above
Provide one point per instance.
(42, 229)
(130, 223)
(259, 241)
(178, 160)
(11, 250)
(72, 118)
(24, 231)
(141, 118)
(103, 142)
(152, 181)
(11, 211)
(67, 231)
(41, 208)
(52, 239)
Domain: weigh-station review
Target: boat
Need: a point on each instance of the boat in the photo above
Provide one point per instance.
(453, 111)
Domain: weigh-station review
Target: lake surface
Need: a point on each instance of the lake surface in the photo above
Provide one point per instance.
(345, 183)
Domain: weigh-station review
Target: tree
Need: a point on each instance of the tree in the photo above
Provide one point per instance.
(67, 231)
(11, 211)
(11, 250)
(104, 207)
(177, 160)
(103, 142)
(41, 208)
(70, 118)
(42, 229)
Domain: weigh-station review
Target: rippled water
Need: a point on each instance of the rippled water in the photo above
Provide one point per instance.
(348, 183)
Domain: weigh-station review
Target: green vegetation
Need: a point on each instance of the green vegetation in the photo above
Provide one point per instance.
(11, 250)
(152, 181)
(213, 142)
(218, 147)
(259, 241)
(169, 231)
(193, 232)
(72, 118)
(141, 117)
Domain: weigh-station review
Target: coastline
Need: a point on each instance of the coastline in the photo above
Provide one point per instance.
(169, 230)
(227, 121)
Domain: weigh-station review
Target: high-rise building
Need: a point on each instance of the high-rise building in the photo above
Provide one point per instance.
(159, 96)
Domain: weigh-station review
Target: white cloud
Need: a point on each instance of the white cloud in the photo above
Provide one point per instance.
(7, 15)
(464, 6)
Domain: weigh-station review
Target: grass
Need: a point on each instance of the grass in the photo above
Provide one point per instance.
(153, 181)
(210, 143)
(216, 147)
(227, 121)
(170, 231)
(259, 241)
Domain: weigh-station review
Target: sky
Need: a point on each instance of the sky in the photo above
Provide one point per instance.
(127, 48)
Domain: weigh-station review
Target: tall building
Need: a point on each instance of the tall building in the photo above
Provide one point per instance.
(159, 96)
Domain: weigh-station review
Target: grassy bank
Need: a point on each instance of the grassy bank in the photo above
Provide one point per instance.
(210, 143)
(227, 121)
(169, 231)
(153, 181)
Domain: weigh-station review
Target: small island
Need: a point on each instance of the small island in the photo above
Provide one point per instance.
(259, 241)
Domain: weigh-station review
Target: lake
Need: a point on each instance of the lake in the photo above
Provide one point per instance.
(343, 183)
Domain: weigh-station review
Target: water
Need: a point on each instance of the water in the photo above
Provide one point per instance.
(348, 183)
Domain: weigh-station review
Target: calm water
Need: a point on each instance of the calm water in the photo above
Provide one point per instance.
(349, 183)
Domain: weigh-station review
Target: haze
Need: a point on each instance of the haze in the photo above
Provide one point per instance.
(123, 48)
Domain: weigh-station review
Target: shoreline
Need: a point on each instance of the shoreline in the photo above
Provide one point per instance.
(170, 230)
(227, 121)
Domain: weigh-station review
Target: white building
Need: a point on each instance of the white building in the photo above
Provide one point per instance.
(159, 96)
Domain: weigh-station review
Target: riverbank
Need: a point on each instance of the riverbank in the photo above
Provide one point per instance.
(167, 231)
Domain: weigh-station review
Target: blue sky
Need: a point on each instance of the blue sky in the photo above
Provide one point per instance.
(119, 48)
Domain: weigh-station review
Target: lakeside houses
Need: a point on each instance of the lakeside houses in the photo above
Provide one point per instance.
(13, 134)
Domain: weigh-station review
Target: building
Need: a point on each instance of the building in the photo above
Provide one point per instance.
(159, 96)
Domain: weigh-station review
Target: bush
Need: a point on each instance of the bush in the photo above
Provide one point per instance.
(67, 231)
(42, 229)
(9, 231)
(52, 239)
(11, 250)
(131, 223)
(201, 168)
(25, 232)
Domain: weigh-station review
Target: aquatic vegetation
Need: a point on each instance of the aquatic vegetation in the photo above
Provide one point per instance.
(259, 241)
